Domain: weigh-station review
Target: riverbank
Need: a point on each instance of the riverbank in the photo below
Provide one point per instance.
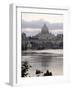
(54, 51)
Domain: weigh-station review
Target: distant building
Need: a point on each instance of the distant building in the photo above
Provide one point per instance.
(44, 34)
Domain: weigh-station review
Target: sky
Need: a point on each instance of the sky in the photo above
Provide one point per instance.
(32, 23)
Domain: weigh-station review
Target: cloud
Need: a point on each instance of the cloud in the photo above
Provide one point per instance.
(37, 24)
(31, 32)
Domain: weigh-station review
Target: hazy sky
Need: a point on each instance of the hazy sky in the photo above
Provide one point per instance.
(32, 23)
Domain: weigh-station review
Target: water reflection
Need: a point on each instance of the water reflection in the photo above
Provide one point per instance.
(45, 60)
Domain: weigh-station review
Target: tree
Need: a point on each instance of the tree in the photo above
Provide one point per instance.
(24, 68)
(47, 73)
(38, 72)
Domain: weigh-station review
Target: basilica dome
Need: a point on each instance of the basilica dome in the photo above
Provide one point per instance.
(44, 29)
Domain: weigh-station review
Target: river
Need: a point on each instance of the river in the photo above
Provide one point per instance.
(43, 60)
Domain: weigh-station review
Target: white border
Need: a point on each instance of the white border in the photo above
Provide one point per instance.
(15, 63)
(12, 46)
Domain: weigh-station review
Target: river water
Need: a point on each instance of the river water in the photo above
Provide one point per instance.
(44, 61)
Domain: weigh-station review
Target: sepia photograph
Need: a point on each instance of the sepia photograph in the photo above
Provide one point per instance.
(41, 44)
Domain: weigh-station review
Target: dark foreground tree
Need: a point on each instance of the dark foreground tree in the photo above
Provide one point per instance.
(38, 72)
(24, 68)
(47, 73)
